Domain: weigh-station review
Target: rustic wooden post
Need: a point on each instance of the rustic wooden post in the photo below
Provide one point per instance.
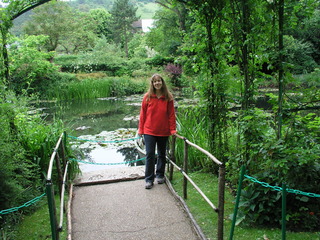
(52, 210)
(222, 184)
(185, 169)
(50, 192)
(60, 176)
(63, 150)
(172, 156)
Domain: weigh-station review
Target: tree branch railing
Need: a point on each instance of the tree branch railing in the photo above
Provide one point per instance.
(221, 188)
(62, 178)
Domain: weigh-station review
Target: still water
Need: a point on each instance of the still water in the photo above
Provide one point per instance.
(97, 128)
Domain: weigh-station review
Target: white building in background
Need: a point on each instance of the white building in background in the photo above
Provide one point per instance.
(144, 25)
(147, 24)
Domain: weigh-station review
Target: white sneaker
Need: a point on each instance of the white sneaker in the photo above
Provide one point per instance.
(160, 180)
(149, 185)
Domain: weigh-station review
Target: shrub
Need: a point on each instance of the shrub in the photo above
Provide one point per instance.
(293, 160)
(299, 54)
(174, 72)
(30, 67)
(17, 174)
(25, 150)
(159, 61)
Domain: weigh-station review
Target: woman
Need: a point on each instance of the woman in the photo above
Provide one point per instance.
(157, 123)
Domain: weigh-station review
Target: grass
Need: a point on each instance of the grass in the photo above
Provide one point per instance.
(207, 218)
(89, 88)
(37, 225)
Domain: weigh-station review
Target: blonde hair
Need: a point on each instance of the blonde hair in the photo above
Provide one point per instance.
(164, 89)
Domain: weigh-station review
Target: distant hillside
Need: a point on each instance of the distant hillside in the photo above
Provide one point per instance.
(146, 10)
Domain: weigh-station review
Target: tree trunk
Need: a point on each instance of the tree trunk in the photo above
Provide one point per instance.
(126, 43)
(5, 56)
(248, 88)
(281, 70)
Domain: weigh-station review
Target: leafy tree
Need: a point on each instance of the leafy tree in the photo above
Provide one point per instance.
(82, 36)
(166, 37)
(179, 9)
(70, 29)
(137, 46)
(30, 67)
(123, 15)
(308, 31)
(102, 17)
(208, 46)
(311, 32)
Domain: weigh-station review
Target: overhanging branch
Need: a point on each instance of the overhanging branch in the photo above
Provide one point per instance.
(27, 8)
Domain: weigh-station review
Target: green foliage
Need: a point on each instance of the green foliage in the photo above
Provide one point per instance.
(311, 80)
(193, 125)
(123, 14)
(137, 47)
(102, 18)
(299, 55)
(18, 174)
(26, 147)
(30, 67)
(159, 61)
(37, 225)
(166, 37)
(293, 160)
(104, 57)
(67, 29)
(207, 218)
(95, 88)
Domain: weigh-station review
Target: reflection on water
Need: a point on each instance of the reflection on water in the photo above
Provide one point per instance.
(99, 120)
(110, 158)
(93, 116)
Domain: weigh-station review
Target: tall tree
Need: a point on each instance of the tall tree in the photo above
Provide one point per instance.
(166, 37)
(71, 29)
(123, 15)
(177, 8)
(209, 18)
(102, 18)
(280, 64)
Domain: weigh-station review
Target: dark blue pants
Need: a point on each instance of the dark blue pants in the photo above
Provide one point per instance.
(151, 143)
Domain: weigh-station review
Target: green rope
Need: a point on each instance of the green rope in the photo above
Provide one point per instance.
(27, 204)
(279, 189)
(98, 141)
(93, 163)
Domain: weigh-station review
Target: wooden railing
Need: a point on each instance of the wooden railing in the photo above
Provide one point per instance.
(58, 156)
(184, 170)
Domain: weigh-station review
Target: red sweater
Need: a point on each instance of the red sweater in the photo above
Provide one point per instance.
(157, 117)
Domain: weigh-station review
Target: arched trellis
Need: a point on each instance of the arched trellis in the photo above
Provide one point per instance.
(11, 12)
(24, 6)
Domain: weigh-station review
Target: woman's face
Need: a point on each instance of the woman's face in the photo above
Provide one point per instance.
(157, 84)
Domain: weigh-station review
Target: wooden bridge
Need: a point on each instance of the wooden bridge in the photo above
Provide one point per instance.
(113, 203)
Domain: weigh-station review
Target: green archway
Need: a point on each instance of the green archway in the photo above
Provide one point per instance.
(7, 15)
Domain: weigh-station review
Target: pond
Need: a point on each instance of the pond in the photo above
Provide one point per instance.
(97, 128)
(100, 130)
